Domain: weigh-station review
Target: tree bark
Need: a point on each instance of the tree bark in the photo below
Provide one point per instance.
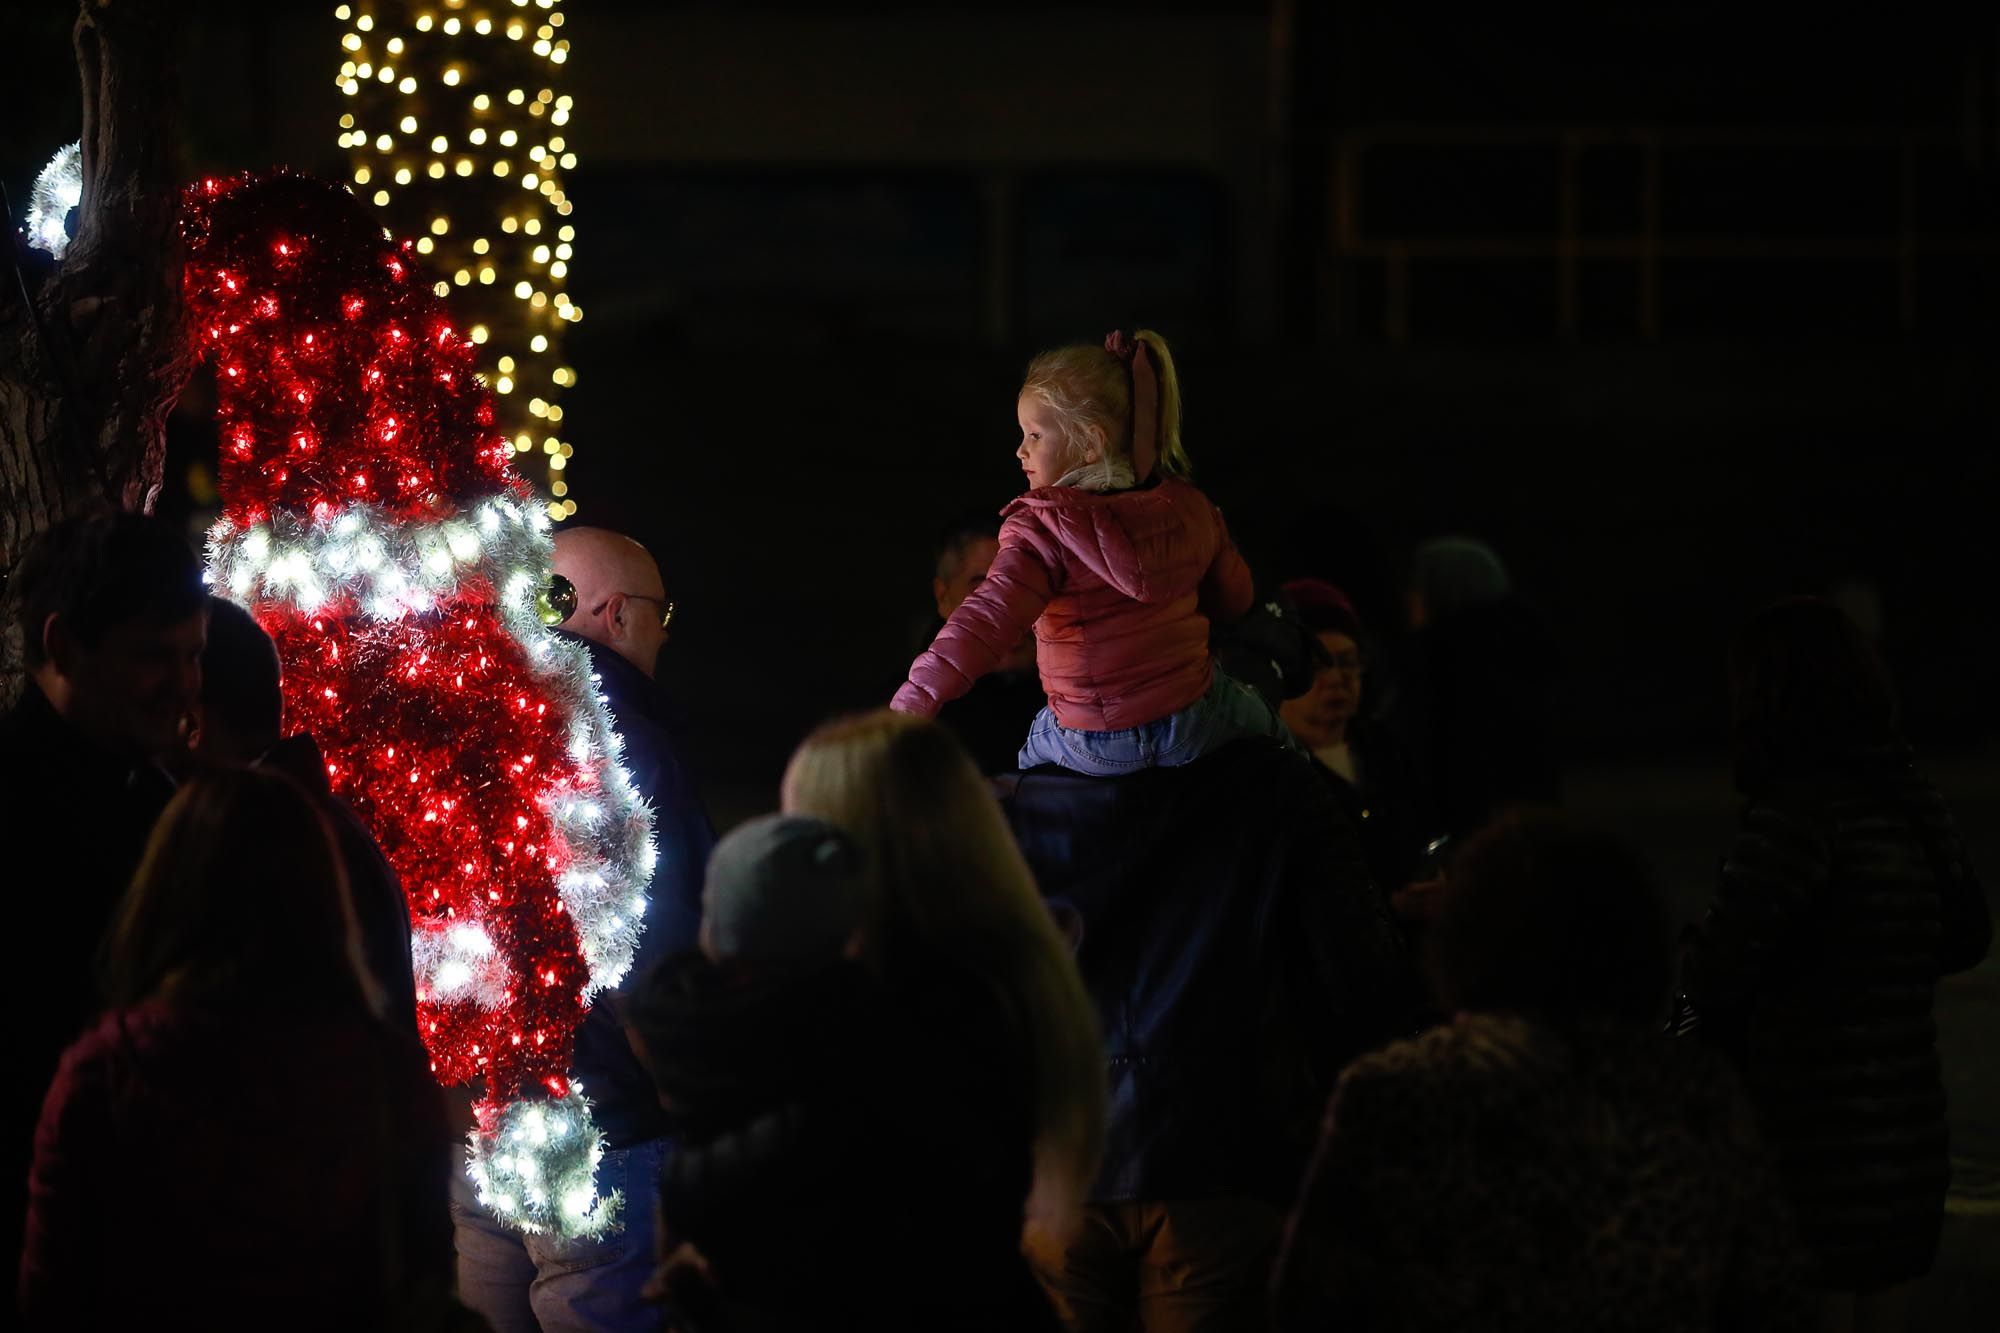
(91, 366)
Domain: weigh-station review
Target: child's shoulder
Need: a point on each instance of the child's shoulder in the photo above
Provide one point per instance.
(1044, 499)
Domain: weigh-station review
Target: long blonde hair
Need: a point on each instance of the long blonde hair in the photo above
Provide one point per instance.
(950, 881)
(1089, 392)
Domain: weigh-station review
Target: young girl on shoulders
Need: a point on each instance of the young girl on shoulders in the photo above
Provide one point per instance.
(1117, 564)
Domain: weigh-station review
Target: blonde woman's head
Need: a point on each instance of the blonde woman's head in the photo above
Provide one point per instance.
(949, 885)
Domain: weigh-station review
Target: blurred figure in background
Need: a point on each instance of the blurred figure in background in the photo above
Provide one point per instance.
(112, 612)
(242, 1141)
(1361, 760)
(239, 722)
(1000, 1035)
(1475, 707)
(1548, 1159)
(1238, 954)
(812, 1112)
(1846, 896)
(991, 718)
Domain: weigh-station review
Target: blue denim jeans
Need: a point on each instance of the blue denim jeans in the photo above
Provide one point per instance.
(522, 1284)
(1229, 711)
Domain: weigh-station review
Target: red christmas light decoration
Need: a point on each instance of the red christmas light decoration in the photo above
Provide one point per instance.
(372, 523)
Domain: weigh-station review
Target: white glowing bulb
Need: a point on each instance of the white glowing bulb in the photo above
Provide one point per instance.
(453, 976)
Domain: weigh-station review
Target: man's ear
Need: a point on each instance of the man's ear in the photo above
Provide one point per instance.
(937, 593)
(59, 646)
(614, 614)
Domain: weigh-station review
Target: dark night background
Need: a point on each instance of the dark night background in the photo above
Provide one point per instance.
(1680, 306)
(817, 242)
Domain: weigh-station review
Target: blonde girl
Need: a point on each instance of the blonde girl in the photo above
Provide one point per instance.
(1117, 564)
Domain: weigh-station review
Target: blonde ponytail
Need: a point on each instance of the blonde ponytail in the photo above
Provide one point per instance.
(1173, 460)
(1088, 390)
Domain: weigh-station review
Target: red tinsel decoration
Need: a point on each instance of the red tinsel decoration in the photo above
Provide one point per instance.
(342, 380)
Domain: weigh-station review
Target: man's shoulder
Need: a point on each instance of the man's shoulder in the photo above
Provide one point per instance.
(630, 694)
(43, 759)
(28, 724)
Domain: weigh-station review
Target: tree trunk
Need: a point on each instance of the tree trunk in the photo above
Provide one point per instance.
(90, 369)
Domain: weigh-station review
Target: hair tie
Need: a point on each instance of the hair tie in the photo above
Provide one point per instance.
(1145, 400)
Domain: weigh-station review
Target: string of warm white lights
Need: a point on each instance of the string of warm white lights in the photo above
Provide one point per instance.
(459, 136)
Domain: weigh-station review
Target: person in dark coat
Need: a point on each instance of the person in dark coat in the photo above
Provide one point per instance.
(1360, 759)
(240, 722)
(817, 1111)
(1846, 896)
(241, 1142)
(112, 612)
(992, 718)
(1474, 705)
(993, 1073)
(1548, 1159)
(1238, 954)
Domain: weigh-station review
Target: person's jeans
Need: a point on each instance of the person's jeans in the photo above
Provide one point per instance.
(1181, 1266)
(523, 1283)
(1229, 711)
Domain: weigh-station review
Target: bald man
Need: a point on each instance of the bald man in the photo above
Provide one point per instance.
(621, 602)
(524, 1283)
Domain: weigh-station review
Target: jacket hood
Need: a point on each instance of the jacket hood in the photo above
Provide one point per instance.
(1151, 545)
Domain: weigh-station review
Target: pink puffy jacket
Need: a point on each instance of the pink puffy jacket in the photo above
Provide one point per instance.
(1119, 589)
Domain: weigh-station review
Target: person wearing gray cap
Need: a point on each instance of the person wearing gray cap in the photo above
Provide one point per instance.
(818, 1179)
(782, 888)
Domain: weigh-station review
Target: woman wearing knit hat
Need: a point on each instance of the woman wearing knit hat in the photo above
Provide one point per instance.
(1360, 760)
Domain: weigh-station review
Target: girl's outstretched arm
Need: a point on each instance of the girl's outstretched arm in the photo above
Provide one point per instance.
(983, 629)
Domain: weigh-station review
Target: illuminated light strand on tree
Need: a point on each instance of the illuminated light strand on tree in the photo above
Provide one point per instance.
(373, 524)
(57, 190)
(460, 135)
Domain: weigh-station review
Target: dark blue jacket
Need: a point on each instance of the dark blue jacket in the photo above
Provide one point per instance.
(1236, 951)
(627, 1107)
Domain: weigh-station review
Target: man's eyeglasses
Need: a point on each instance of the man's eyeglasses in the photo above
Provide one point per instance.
(666, 605)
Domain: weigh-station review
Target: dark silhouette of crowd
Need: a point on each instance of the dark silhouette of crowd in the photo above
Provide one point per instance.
(1203, 1022)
